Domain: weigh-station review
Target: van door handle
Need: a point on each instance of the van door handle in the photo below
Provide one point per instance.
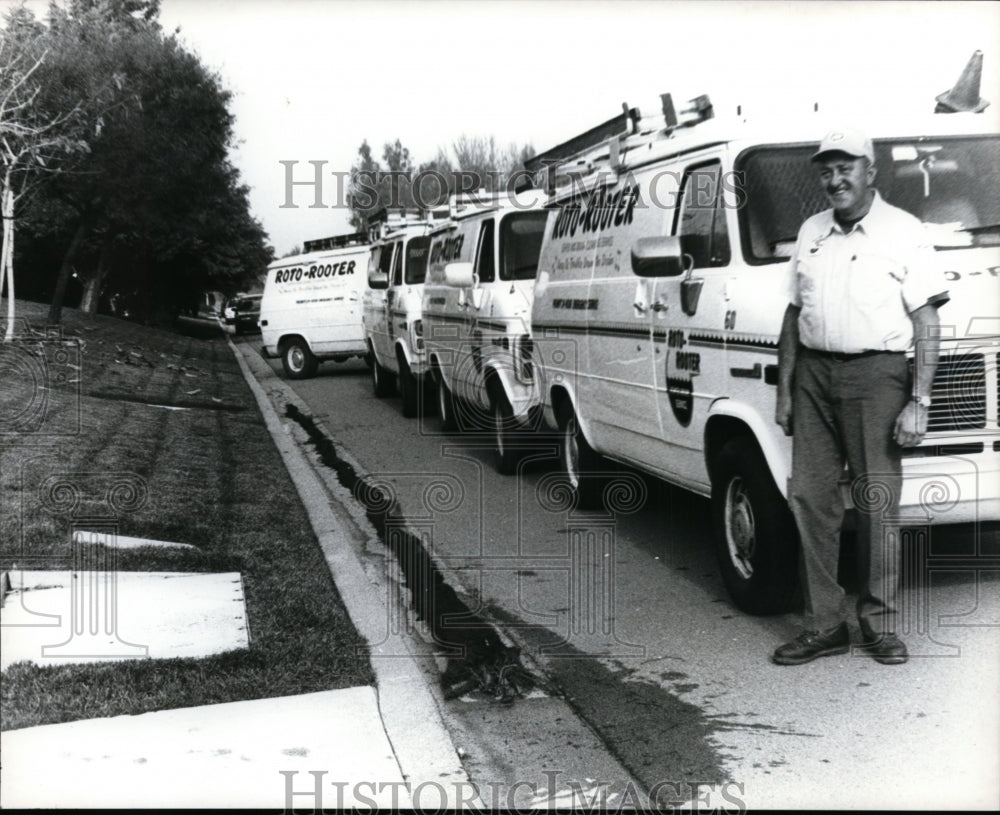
(659, 305)
(640, 307)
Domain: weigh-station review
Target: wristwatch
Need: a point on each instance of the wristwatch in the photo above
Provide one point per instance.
(924, 401)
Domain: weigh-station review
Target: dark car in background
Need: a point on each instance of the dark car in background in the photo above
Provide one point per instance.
(246, 314)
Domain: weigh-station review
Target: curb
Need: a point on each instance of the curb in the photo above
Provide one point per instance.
(410, 714)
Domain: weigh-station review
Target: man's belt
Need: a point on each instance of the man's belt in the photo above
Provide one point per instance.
(843, 357)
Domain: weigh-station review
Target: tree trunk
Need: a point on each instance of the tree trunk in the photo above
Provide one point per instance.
(55, 310)
(7, 263)
(92, 288)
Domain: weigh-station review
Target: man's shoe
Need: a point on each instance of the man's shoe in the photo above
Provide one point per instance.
(887, 649)
(812, 644)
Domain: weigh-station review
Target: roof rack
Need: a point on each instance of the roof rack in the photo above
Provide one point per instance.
(467, 203)
(334, 242)
(386, 221)
(606, 144)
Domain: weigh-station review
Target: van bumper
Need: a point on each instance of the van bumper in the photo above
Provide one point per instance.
(951, 489)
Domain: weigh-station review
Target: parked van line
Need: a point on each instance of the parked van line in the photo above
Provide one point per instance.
(392, 309)
(311, 308)
(658, 304)
(476, 312)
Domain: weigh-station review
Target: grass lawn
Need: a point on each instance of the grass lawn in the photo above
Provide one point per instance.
(100, 413)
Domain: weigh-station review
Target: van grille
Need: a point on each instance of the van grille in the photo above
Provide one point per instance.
(958, 395)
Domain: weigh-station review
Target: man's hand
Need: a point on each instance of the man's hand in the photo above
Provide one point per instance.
(911, 424)
(783, 413)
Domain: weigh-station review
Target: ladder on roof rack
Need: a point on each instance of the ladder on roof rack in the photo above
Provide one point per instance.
(614, 132)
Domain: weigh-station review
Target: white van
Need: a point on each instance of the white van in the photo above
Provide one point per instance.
(311, 309)
(660, 300)
(392, 305)
(477, 308)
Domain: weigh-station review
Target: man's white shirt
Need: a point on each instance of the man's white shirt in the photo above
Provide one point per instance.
(856, 289)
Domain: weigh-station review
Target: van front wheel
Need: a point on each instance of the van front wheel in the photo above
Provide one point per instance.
(446, 406)
(756, 542)
(409, 391)
(297, 360)
(383, 382)
(580, 463)
(505, 454)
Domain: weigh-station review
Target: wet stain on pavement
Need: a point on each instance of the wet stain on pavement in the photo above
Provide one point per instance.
(477, 659)
(655, 735)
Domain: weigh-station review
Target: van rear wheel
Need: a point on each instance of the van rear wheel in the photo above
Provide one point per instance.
(580, 464)
(383, 383)
(756, 542)
(297, 360)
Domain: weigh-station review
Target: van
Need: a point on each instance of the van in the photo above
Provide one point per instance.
(311, 308)
(660, 301)
(477, 308)
(391, 311)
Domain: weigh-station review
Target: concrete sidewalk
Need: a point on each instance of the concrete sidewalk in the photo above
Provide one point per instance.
(262, 754)
(363, 746)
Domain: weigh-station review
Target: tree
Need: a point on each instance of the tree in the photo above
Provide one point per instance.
(154, 209)
(483, 163)
(31, 141)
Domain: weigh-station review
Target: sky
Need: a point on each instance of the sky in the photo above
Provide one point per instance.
(312, 79)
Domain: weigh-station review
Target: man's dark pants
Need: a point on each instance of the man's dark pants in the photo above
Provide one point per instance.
(845, 409)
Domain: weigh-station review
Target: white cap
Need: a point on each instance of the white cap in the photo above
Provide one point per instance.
(847, 140)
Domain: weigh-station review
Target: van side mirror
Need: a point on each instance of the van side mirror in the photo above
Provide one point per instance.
(459, 274)
(378, 279)
(657, 257)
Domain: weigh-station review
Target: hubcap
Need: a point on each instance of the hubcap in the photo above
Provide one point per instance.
(740, 527)
(296, 358)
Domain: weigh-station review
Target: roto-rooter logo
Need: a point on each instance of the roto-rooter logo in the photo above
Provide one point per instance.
(315, 272)
(602, 210)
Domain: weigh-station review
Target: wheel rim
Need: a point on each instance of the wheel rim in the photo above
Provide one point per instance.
(740, 527)
(571, 454)
(296, 359)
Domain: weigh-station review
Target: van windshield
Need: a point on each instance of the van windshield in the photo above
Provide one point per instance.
(950, 184)
(521, 243)
(415, 270)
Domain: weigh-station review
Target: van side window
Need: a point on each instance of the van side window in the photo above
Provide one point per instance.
(385, 259)
(521, 243)
(397, 265)
(485, 268)
(415, 270)
(701, 220)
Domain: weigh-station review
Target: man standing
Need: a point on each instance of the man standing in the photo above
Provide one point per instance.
(862, 288)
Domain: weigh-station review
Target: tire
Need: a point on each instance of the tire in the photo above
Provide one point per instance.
(505, 455)
(409, 391)
(580, 464)
(383, 382)
(297, 360)
(446, 406)
(756, 542)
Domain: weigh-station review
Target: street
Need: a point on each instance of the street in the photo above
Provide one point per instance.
(627, 616)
